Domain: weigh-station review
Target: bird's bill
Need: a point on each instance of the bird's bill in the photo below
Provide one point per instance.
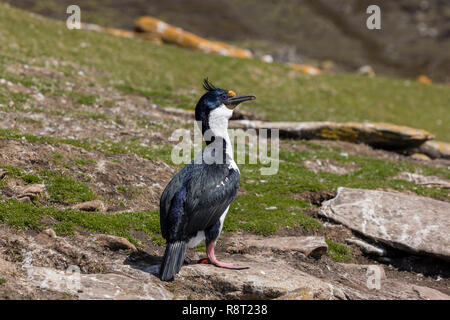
(233, 102)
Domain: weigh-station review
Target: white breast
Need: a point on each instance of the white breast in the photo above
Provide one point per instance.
(200, 236)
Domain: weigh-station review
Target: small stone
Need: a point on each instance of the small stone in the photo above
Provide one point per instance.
(50, 232)
(428, 181)
(24, 199)
(33, 189)
(367, 248)
(94, 205)
(46, 237)
(436, 149)
(420, 156)
(267, 58)
(377, 268)
(367, 71)
(115, 243)
(424, 79)
(39, 97)
(48, 221)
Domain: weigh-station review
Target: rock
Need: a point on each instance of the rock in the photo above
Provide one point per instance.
(365, 268)
(271, 278)
(426, 293)
(366, 70)
(97, 286)
(80, 270)
(429, 181)
(32, 190)
(407, 222)
(331, 166)
(24, 199)
(182, 38)
(46, 237)
(435, 149)
(263, 280)
(424, 79)
(420, 156)
(122, 33)
(376, 134)
(48, 221)
(310, 246)
(115, 243)
(306, 69)
(94, 205)
(49, 232)
(367, 248)
(267, 58)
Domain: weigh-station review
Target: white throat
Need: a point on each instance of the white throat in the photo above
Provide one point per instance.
(218, 123)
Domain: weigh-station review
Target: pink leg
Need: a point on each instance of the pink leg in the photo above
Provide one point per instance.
(212, 259)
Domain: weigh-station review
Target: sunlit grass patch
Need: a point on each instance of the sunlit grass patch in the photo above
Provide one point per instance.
(339, 252)
(27, 216)
(65, 190)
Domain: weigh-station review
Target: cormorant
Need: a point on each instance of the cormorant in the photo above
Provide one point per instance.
(195, 203)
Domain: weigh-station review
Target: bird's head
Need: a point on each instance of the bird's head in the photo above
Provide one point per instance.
(216, 106)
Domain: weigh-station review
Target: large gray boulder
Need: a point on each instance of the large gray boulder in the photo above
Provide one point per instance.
(416, 224)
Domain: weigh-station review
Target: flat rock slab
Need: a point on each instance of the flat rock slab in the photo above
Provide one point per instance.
(264, 279)
(377, 134)
(428, 181)
(310, 246)
(407, 222)
(97, 286)
(271, 278)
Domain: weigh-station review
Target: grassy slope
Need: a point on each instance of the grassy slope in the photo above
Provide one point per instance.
(171, 76)
(317, 29)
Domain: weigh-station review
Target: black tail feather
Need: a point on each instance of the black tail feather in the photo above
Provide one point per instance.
(173, 260)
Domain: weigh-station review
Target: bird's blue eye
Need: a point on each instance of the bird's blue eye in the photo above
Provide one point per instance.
(224, 96)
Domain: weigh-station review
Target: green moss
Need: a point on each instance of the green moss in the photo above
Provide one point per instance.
(65, 190)
(160, 241)
(2, 282)
(339, 252)
(30, 121)
(76, 97)
(83, 98)
(18, 173)
(27, 216)
(200, 248)
(132, 190)
(84, 162)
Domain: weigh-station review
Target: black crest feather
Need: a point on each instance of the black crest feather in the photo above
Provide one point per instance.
(208, 85)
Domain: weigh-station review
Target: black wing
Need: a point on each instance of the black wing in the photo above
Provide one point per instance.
(196, 198)
(170, 215)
